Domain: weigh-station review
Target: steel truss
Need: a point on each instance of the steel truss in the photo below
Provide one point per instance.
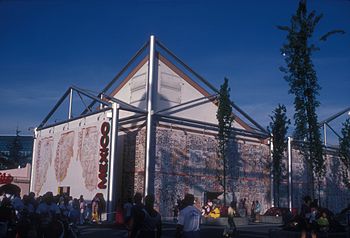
(325, 124)
(149, 117)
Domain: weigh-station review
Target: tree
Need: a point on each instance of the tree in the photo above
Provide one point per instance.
(278, 128)
(225, 118)
(15, 148)
(344, 151)
(302, 79)
(6, 163)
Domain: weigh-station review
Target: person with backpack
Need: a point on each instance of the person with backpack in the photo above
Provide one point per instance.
(136, 216)
(151, 221)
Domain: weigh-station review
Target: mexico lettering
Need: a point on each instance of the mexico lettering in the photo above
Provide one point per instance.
(104, 152)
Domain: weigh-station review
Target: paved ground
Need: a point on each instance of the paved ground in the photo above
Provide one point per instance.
(249, 231)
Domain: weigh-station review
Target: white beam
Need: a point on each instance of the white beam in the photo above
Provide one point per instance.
(150, 110)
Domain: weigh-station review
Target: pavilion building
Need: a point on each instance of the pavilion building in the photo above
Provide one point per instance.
(153, 129)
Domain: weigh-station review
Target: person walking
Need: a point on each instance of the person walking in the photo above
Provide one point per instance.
(175, 212)
(127, 211)
(189, 219)
(127, 215)
(151, 221)
(95, 208)
(252, 211)
(47, 213)
(305, 214)
(231, 213)
(101, 207)
(257, 211)
(136, 216)
(82, 208)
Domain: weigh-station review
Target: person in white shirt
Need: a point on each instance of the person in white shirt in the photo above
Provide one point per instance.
(189, 219)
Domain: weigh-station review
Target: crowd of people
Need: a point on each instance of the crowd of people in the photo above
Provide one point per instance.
(313, 220)
(143, 221)
(47, 215)
(214, 209)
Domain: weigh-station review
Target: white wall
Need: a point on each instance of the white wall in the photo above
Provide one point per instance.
(68, 155)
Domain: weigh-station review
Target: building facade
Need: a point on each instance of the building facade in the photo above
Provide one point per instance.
(153, 130)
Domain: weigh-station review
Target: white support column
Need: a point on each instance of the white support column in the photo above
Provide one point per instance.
(290, 182)
(101, 105)
(325, 134)
(112, 162)
(70, 104)
(150, 98)
(271, 173)
(31, 187)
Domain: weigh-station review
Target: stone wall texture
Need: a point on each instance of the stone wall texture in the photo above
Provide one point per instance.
(333, 194)
(187, 162)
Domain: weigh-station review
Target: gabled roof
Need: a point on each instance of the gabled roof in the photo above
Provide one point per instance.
(201, 85)
(197, 82)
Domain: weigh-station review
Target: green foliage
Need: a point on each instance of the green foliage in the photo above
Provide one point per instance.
(224, 113)
(225, 118)
(6, 163)
(302, 79)
(278, 128)
(16, 158)
(344, 151)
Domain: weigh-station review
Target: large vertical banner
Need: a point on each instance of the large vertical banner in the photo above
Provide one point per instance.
(74, 155)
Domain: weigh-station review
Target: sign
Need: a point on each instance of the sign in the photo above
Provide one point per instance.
(5, 178)
(104, 152)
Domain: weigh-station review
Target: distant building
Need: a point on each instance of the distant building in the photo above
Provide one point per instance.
(21, 177)
(26, 146)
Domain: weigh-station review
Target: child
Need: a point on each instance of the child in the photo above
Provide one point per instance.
(323, 222)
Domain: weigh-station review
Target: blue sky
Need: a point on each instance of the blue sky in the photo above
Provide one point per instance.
(46, 46)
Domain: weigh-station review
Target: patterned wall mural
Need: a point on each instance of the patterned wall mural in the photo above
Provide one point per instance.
(69, 155)
(334, 195)
(43, 161)
(88, 151)
(187, 162)
(64, 155)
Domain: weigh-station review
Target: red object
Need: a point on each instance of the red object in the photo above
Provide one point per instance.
(5, 178)
(223, 211)
(294, 211)
(119, 219)
(104, 153)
